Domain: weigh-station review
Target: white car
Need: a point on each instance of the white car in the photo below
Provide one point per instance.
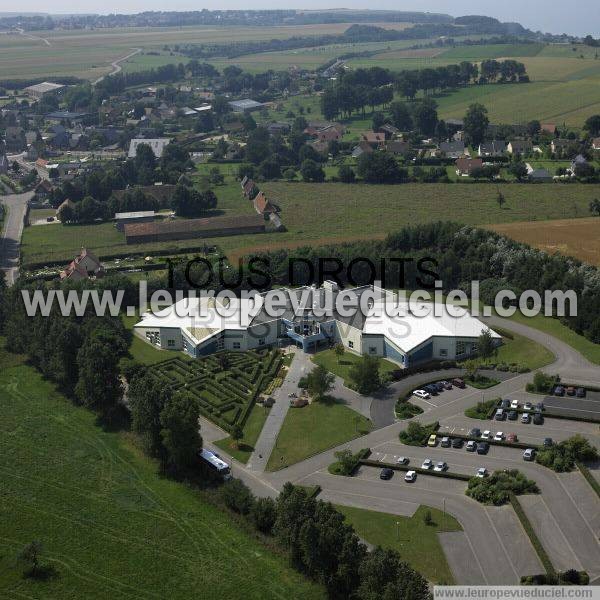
(427, 464)
(499, 437)
(486, 435)
(481, 472)
(528, 406)
(410, 476)
(514, 404)
(421, 394)
(402, 460)
(529, 454)
(440, 467)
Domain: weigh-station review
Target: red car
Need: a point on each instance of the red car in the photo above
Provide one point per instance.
(459, 383)
(512, 438)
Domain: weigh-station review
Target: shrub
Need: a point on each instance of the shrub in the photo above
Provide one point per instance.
(482, 409)
(237, 496)
(496, 489)
(562, 457)
(263, 514)
(407, 410)
(416, 434)
(347, 462)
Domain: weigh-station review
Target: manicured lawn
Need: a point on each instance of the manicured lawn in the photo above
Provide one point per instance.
(313, 429)
(555, 328)
(109, 524)
(521, 350)
(417, 543)
(252, 429)
(341, 365)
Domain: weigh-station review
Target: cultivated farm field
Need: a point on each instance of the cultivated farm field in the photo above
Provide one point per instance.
(108, 523)
(573, 237)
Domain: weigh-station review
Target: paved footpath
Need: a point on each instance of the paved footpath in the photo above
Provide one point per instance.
(11, 235)
(300, 366)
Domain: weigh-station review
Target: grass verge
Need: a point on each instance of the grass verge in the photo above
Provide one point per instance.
(313, 429)
(417, 543)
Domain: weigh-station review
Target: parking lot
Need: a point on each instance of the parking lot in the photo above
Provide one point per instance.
(588, 407)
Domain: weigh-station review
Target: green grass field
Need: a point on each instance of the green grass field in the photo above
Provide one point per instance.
(313, 429)
(334, 212)
(341, 366)
(109, 524)
(417, 543)
(523, 351)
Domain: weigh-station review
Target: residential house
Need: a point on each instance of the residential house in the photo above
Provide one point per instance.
(83, 266)
(454, 149)
(559, 144)
(389, 131)
(43, 190)
(262, 205)
(492, 149)
(59, 138)
(65, 204)
(465, 166)
(549, 128)
(374, 139)
(278, 128)
(539, 175)
(398, 147)
(362, 148)
(578, 161)
(14, 138)
(249, 189)
(329, 134)
(520, 147)
(157, 145)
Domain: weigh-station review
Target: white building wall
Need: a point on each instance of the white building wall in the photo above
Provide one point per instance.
(171, 338)
(349, 336)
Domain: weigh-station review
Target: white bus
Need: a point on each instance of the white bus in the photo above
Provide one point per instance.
(214, 462)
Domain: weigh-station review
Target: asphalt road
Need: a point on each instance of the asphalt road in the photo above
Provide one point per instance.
(11, 234)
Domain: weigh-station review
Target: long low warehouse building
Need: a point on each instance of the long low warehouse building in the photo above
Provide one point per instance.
(198, 327)
(183, 229)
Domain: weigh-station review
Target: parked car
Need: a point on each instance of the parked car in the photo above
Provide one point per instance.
(402, 460)
(538, 419)
(481, 472)
(410, 476)
(525, 418)
(457, 442)
(432, 441)
(499, 437)
(475, 432)
(459, 383)
(486, 435)
(529, 454)
(570, 391)
(499, 416)
(482, 448)
(505, 403)
(580, 392)
(440, 467)
(386, 473)
(512, 438)
(559, 390)
(427, 464)
(471, 446)
(447, 385)
(527, 406)
(440, 386)
(431, 388)
(513, 415)
(445, 443)
(421, 394)
(514, 404)
(548, 442)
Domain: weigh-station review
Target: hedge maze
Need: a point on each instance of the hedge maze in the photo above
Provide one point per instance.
(226, 384)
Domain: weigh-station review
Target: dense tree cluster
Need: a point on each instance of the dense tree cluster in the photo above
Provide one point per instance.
(323, 546)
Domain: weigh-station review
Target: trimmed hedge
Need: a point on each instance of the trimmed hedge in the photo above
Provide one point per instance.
(588, 477)
(405, 468)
